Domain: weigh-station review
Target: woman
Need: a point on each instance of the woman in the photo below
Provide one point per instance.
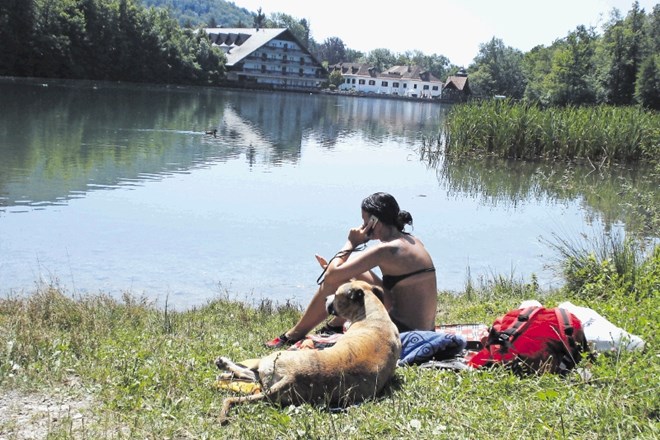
(409, 279)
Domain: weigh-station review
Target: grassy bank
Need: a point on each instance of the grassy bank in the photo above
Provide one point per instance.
(148, 372)
(601, 134)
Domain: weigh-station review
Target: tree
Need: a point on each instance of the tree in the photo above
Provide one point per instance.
(259, 19)
(647, 86)
(572, 77)
(332, 50)
(621, 54)
(16, 34)
(537, 64)
(299, 28)
(381, 59)
(497, 70)
(335, 78)
(438, 65)
(353, 56)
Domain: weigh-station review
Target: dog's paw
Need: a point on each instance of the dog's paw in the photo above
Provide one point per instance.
(222, 362)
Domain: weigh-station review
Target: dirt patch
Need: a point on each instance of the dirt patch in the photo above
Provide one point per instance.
(32, 416)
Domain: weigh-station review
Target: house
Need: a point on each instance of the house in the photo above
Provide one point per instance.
(272, 58)
(457, 87)
(409, 81)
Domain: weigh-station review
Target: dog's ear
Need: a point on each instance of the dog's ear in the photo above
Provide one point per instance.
(379, 292)
(356, 295)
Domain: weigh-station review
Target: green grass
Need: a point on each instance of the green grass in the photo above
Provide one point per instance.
(150, 372)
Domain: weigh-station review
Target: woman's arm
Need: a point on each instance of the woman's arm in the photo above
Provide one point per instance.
(342, 269)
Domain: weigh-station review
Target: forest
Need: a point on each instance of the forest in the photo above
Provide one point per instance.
(161, 41)
(113, 40)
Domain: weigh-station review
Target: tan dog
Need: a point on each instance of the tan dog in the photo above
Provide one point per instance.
(357, 367)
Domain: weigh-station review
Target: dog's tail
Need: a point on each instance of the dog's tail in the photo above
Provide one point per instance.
(270, 393)
(231, 401)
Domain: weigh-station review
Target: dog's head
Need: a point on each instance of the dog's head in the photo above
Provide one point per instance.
(348, 301)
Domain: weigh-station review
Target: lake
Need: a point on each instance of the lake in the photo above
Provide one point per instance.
(117, 188)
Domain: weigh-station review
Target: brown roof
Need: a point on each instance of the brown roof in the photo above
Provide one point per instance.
(456, 82)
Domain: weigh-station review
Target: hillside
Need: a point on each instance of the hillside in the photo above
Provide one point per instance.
(210, 13)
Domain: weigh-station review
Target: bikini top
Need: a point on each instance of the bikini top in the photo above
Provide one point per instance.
(389, 281)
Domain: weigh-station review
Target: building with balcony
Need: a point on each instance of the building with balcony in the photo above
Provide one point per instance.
(269, 58)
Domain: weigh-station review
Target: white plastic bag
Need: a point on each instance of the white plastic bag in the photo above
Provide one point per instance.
(601, 334)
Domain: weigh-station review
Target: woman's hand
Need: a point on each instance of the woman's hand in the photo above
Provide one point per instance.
(322, 261)
(359, 235)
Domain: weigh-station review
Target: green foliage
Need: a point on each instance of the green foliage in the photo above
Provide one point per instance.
(647, 87)
(621, 48)
(115, 40)
(203, 12)
(299, 28)
(332, 50)
(381, 59)
(335, 78)
(584, 68)
(497, 70)
(608, 266)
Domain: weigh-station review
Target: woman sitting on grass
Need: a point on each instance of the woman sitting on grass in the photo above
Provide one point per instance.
(409, 280)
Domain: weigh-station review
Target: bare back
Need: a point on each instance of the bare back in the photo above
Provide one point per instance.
(414, 298)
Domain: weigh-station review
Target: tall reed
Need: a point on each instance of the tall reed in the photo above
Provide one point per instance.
(601, 134)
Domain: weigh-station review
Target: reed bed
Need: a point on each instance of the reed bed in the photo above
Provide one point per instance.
(505, 129)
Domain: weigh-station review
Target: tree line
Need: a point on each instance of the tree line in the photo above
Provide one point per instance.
(162, 41)
(621, 66)
(115, 40)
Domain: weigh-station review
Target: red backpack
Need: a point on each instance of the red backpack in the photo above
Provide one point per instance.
(533, 340)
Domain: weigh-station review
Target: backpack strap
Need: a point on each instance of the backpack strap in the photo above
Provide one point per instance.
(565, 327)
(506, 337)
(566, 334)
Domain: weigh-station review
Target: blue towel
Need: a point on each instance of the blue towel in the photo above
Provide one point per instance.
(418, 346)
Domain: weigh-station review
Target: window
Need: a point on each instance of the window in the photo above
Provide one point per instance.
(264, 56)
(372, 82)
(426, 86)
(395, 85)
(302, 61)
(405, 85)
(348, 81)
(384, 84)
(435, 88)
(263, 68)
(285, 59)
(353, 80)
(283, 70)
(414, 86)
(300, 72)
(361, 82)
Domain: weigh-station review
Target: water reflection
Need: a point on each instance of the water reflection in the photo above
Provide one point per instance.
(613, 195)
(62, 139)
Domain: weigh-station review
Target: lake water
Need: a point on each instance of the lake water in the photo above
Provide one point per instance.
(117, 188)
